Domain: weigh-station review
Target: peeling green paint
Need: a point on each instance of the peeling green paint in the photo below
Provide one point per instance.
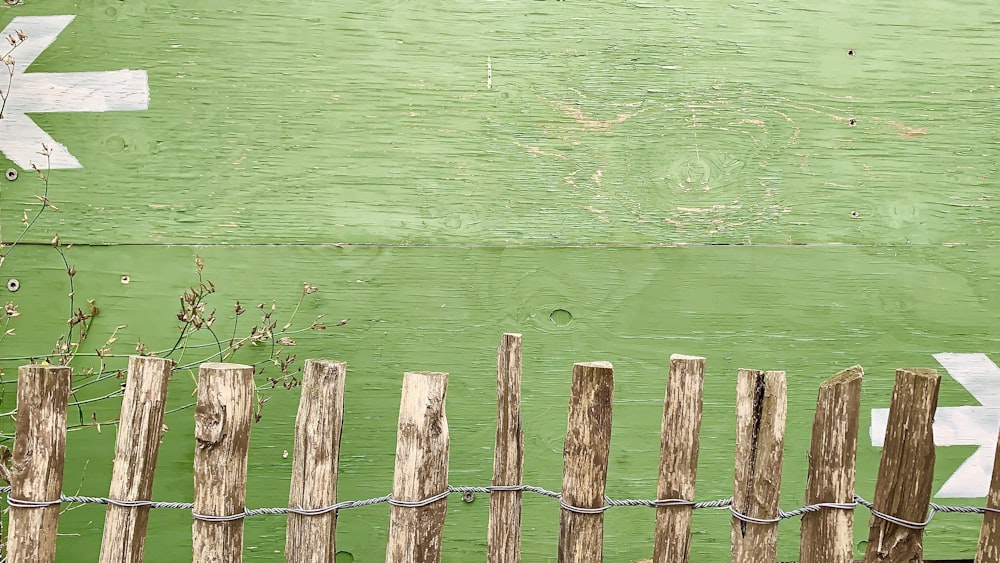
(841, 157)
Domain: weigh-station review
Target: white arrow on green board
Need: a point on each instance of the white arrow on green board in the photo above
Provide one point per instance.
(38, 92)
(963, 426)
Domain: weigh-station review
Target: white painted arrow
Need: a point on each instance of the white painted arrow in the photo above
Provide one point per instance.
(963, 426)
(40, 92)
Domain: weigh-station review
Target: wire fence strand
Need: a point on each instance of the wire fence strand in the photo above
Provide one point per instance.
(726, 503)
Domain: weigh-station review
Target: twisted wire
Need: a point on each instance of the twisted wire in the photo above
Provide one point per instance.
(933, 508)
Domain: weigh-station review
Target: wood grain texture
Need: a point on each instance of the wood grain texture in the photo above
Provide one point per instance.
(223, 415)
(585, 462)
(639, 122)
(140, 427)
(318, 427)
(640, 302)
(503, 539)
(988, 550)
(679, 445)
(422, 447)
(905, 474)
(36, 470)
(761, 410)
(709, 137)
(827, 536)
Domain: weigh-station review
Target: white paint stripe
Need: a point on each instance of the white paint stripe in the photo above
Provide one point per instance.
(880, 422)
(41, 31)
(963, 426)
(977, 373)
(966, 426)
(80, 91)
(953, 426)
(21, 139)
(972, 478)
(41, 92)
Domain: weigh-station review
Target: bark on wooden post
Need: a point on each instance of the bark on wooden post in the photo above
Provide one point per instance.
(989, 536)
(139, 428)
(760, 421)
(679, 442)
(316, 452)
(222, 418)
(827, 536)
(36, 471)
(905, 474)
(421, 470)
(585, 462)
(503, 539)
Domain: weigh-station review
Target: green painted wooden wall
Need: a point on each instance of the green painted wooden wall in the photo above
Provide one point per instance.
(766, 184)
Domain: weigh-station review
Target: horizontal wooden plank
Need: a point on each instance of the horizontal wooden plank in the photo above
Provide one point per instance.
(806, 310)
(631, 122)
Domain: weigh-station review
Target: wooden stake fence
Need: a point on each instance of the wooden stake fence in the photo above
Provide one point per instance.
(989, 536)
(585, 462)
(503, 540)
(37, 468)
(760, 434)
(316, 452)
(679, 444)
(827, 536)
(906, 472)
(419, 505)
(222, 418)
(139, 429)
(421, 470)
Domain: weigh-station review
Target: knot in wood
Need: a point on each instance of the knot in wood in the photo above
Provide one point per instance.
(209, 425)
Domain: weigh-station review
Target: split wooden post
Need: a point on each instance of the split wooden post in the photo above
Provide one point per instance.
(827, 536)
(222, 416)
(761, 408)
(421, 470)
(989, 536)
(318, 427)
(906, 472)
(679, 443)
(140, 426)
(503, 539)
(36, 471)
(585, 462)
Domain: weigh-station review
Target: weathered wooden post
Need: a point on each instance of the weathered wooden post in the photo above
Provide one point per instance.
(906, 472)
(585, 462)
(827, 536)
(989, 536)
(222, 418)
(421, 470)
(318, 427)
(138, 443)
(761, 408)
(36, 471)
(503, 538)
(679, 442)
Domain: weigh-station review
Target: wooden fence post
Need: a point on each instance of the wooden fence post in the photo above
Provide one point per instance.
(679, 442)
(585, 462)
(421, 470)
(827, 536)
(989, 536)
(222, 418)
(37, 467)
(138, 443)
(906, 472)
(761, 408)
(503, 539)
(316, 452)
